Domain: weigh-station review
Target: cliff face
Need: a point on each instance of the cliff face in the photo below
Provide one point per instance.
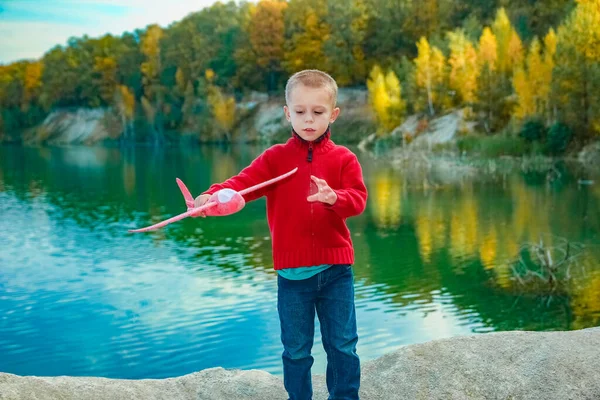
(506, 365)
(81, 126)
(259, 118)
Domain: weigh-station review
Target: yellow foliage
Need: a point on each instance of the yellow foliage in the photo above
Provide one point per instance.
(526, 103)
(305, 49)
(533, 83)
(430, 73)
(488, 49)
(464, 70)
(106, 67)
(423, 63)
(127, 101)
(534, 69)
(209, 74)
(515, 51)
(266, 31)
(33, 76)
(510, 48)
(150, 47)
(586, 28)
(385, 95)
(32, 80)
(223, 108)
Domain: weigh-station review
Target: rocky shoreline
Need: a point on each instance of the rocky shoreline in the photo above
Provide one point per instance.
(506, 365)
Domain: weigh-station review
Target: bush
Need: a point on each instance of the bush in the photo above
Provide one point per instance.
(533, 130)
(468, 143)
(495, 146)
(559, 137)
(492, 146)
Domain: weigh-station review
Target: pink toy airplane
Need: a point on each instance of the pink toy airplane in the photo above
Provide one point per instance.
(223, 202)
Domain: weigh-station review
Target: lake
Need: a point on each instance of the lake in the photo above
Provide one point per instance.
(80, 296)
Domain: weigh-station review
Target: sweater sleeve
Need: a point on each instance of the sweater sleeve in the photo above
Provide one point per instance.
(257, 172)
(352, 196)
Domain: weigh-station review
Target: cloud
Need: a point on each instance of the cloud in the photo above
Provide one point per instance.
(29, 28)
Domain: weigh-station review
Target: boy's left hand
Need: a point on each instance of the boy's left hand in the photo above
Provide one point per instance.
(325, 194)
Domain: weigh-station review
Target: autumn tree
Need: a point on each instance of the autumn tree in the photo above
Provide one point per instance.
(306, 31)
(266, 33)
(463, 68)
(489, 95)
(577, 73)
(125, 105)
(385, 97)
(430, 71)
(222, 107)
(510, 55)
(152, 100)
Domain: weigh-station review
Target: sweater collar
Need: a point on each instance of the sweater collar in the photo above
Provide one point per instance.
(322, 142)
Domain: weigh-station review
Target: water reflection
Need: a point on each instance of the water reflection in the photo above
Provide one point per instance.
(80, 296)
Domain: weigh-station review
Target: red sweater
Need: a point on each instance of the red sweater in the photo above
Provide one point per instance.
(306, 233)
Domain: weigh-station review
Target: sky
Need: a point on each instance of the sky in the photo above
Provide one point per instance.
(29, 28)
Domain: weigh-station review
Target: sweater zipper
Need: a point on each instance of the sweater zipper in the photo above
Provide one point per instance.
(309, 158)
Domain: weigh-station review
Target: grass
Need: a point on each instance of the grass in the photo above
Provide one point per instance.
(496, 146)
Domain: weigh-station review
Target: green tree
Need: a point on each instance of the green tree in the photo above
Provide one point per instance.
(344, 45)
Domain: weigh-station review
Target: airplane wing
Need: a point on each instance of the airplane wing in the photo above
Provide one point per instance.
(270, 181)
(186, 214)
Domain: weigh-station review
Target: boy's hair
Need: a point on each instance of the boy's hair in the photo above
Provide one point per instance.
(312, 78)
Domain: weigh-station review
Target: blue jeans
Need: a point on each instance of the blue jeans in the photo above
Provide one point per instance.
(331, 294)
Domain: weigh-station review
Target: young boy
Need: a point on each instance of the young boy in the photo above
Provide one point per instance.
(312, 248)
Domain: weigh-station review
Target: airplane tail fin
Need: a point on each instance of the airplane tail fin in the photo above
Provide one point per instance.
(189, 200)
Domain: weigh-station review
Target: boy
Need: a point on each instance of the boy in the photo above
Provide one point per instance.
(312, 248)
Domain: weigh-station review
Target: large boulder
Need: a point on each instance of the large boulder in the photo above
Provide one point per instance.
(589, 156)
(506, 365)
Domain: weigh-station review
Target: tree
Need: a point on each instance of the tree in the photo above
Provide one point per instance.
(385, 96)
(266, 32)
(488, 77)
(152, 100)
(385, 38)
(504, 33)
(32, 82)
(306, 31)
(430, 66)
(524, 91)
(509, 57)
(125, 105)
(576, 74)
(222, 106)
(344, 45)
(463, 67)
(550, 42)
(105, 71)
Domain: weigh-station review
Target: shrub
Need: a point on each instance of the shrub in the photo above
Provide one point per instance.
(559, 136)
(533, 130)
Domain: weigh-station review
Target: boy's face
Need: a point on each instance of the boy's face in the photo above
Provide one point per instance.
(310, 110)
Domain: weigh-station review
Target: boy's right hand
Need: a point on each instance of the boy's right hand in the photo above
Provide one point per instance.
(199, 201)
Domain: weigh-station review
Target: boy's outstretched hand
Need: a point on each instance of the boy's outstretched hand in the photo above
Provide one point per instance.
(324, 194)
(199, 201)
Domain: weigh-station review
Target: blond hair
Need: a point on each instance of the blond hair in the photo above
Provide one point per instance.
(312, 78)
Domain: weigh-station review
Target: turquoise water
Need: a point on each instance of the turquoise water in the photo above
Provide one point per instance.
(81, 296)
